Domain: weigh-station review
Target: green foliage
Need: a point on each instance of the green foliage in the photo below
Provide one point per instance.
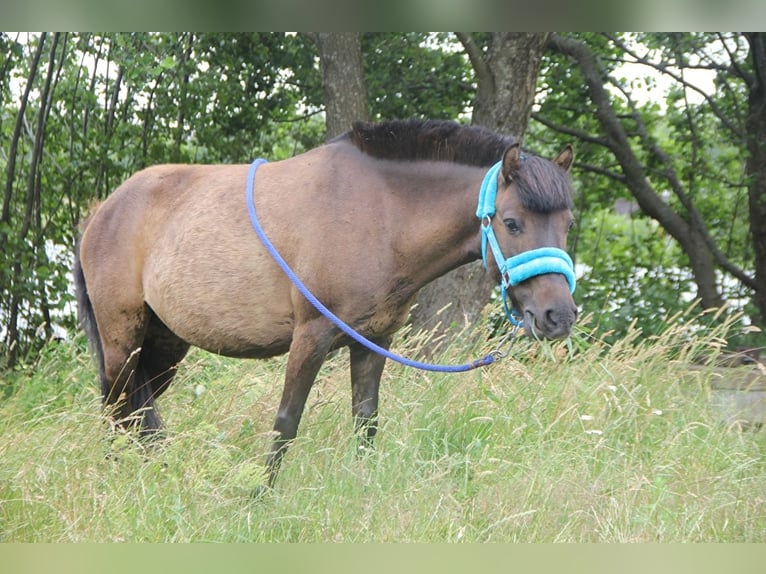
(416, 75)
(628, 275)
(123, 101)
(636, 271)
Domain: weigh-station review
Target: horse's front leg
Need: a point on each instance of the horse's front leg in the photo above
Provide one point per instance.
(311, 342)
(366, 370)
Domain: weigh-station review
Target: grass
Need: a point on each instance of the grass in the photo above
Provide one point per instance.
(561, 442)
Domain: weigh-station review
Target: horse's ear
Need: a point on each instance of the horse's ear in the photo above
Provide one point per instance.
(566, 158)
(511, 162)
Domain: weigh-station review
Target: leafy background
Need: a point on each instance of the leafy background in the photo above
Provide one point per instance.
(102, 106)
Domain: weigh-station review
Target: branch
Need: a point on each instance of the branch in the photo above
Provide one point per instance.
(475, 55)
(746, 76)
(619, 177)
(615, 136)
(579, 134)
(663, 69)
(669, 173)
(619, 144)
(585, 137)
(300, 118)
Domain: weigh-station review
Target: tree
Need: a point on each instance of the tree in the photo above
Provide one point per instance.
(756, 161)
(343, 86)
(29, 238)
(80, 112)
(94, 108)
(682, 165)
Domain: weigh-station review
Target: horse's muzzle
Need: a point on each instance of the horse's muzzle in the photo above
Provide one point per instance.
(551, 322)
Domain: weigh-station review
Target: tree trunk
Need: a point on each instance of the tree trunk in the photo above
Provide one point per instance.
(186, 56)
(755, 166)
(10, 172)
(102, 183)
(32, 207)
(9, 276)
(506, 76)
(343, 85)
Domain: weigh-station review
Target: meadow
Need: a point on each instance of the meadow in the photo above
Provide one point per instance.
(570, 441)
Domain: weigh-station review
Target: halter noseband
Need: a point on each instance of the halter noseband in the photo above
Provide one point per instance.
(514, 270)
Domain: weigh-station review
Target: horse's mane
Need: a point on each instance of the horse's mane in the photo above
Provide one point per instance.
(542, 186)
(439, 140)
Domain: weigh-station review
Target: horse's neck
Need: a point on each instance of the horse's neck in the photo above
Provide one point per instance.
(440, 230)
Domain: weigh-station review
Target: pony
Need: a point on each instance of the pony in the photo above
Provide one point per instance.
(170, 259)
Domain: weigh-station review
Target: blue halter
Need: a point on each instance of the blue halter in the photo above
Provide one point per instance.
(514, 270)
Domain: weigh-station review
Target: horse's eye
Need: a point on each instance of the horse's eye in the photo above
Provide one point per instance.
(512, 226)
(571, 225)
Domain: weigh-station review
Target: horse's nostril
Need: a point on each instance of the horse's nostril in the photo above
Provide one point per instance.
(550, 317)
(558, 321)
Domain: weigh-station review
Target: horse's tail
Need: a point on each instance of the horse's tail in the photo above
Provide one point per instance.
(85, 315)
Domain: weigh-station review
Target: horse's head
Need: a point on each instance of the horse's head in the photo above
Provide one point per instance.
(533, 211)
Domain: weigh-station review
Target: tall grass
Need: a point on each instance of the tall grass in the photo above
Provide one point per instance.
(567, 441)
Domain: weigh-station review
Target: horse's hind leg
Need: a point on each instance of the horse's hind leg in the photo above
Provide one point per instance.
(160, 355)
(366, 370)
(121, 375)
(139, 360)
(158, 360)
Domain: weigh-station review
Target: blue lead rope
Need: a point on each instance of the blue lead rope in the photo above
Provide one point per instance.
(486, 360)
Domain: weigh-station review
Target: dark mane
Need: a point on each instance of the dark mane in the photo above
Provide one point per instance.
(439, 140)
(542, 186)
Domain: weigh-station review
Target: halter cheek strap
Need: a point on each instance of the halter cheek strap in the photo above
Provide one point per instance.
(514, 270)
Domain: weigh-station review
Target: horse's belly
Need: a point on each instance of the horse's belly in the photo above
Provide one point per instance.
(249, 337)
(246, 333)
(227, 314)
